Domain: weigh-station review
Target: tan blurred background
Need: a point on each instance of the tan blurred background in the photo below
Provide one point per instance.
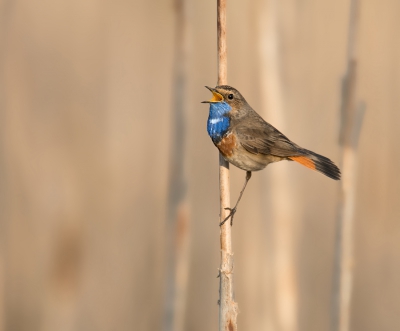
(86, 96)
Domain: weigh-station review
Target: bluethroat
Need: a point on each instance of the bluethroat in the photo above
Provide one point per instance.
(250, 143)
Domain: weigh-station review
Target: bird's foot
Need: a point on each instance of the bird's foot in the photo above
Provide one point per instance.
(231, 214)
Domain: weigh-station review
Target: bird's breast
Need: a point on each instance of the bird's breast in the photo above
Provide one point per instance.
(227, 145)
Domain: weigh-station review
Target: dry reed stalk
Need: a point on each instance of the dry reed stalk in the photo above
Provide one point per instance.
(282, 292)
(178, 209)
(227, 307)
(351, 120)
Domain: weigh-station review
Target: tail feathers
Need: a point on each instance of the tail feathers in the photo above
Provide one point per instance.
(319, 163)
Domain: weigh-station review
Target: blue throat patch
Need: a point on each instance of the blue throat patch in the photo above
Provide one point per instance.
(218, 123)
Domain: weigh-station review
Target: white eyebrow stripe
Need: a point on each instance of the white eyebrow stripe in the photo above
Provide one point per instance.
(215, 120)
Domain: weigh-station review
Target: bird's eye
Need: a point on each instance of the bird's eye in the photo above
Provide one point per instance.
(230, 96)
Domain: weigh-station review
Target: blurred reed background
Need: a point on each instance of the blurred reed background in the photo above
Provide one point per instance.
(89, 140)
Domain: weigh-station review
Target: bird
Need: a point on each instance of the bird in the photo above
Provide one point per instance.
(247, 141)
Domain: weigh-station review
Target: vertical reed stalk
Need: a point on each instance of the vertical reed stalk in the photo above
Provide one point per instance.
(227, 306)
(282, 292)
(351, 119)
(178, 209)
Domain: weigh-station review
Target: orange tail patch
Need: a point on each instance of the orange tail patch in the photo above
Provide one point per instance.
(304, 160)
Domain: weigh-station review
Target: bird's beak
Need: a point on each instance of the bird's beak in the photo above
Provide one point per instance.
(216, 96)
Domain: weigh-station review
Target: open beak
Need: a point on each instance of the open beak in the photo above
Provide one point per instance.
(216, 96)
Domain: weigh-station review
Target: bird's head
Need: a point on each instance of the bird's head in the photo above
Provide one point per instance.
(229, 95)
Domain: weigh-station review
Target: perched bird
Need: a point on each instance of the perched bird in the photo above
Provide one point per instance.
(250, 143)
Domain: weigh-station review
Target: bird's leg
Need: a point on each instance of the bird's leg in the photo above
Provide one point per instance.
(233, 210)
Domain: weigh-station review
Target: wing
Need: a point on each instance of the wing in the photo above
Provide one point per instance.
(259, 137)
